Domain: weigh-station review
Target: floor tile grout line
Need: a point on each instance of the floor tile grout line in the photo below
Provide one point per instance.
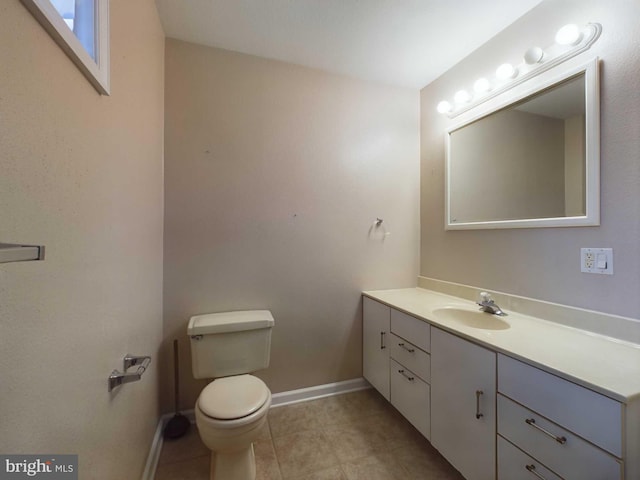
(273, 446)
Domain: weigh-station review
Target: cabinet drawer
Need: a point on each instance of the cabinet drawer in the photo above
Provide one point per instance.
(514, 464)
(410, 356)
(585, 412)
(574, 458)
(410, 328)
(411, 396)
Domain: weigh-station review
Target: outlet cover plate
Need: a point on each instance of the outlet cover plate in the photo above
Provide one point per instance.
(596, 260)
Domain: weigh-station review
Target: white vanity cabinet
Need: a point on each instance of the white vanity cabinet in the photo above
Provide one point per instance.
(463, 404)
(396, 360)
(532, 401)
(571, 430)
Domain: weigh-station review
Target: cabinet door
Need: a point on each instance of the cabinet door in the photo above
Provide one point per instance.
(463, 404)
(376, 319)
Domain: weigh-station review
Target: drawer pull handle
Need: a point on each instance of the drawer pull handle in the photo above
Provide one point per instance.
(560, 440)
(401, 372)
(532, 469)
(478, 414)
(382, 345)
(410, 350)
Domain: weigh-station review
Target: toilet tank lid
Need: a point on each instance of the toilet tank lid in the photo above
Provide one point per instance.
(229, 322)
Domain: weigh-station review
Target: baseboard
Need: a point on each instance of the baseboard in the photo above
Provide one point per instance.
(319, 391)
(277, 400)
(154, 452)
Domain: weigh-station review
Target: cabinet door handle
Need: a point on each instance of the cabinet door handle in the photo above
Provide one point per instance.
(401, 372)
(478, 414)
(382, 345)
(410, 350)
(560, 440)
(532, 469)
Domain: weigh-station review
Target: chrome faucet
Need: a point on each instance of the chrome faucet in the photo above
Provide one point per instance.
(489, 306)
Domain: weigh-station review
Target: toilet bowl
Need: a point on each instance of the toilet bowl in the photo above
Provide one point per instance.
(230, 413)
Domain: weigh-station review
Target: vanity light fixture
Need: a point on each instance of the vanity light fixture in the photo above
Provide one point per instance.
(506, 71)
(444, 107)
(569, 35)
(482, 85)
(569, 42)
(533, 55)
(462, 96)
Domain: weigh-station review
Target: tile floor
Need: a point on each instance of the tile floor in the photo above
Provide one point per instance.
(355, 436)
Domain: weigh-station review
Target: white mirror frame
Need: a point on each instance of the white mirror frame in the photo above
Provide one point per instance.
(592, 149)
(96, 71)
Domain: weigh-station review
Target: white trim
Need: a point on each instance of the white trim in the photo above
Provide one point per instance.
(156, 445)
(154, 452)
(319, 391)
(96, 71)
(277, 400)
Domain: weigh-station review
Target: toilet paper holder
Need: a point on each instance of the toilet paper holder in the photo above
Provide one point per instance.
(118, 378)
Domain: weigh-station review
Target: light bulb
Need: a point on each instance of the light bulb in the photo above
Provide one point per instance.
(568, 35)
(506, 71)
(482, 85)
(444, 107)
(533, 55)
(462, 96)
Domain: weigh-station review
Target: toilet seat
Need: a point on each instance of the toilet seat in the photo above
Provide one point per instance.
(232, 398)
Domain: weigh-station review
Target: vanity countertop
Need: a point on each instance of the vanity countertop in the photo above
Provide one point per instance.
(606, 365)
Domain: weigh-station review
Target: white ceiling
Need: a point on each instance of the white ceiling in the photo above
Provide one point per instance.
(400, 42)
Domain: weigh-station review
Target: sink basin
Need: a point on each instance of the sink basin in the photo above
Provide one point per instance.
(471, 318)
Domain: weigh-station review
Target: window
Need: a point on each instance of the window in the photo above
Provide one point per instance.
(81, 28)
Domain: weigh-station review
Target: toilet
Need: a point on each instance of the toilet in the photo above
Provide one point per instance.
(231, 410)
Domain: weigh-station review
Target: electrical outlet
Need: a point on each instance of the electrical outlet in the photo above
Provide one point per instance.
(596, 260)
(588, 259)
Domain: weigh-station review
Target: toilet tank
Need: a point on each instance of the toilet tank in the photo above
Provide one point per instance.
(230, 343)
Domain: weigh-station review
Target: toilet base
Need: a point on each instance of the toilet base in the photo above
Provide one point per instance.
(234, 465)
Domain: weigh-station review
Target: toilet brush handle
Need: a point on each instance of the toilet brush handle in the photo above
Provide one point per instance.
(176, 375)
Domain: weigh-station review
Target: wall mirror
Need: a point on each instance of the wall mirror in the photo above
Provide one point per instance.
(532, 160)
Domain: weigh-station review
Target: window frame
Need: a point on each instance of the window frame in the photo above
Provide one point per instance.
(96, 71)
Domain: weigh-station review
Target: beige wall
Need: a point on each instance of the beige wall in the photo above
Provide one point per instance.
(544, 263)
(81, 174)
(274, 176)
